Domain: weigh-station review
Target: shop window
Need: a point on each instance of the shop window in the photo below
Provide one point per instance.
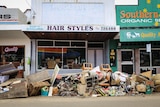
(65, 58)
(155, 57)
(144, 58)
(78, 44)
(95, 45)
(62, 43)
(149, 61)
(14, 54)
(45, 43)
(127, 55)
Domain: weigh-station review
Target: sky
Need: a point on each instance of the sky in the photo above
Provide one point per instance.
(21, 4)
(26, 4)
(126, 2)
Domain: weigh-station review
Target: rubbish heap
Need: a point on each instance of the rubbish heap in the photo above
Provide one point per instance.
(95, 82)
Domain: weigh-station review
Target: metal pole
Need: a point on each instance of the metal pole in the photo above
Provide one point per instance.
(62, 57)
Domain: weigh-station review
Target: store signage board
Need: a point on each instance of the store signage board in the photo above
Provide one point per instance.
(62, 28)
(145, 14)
(132, 35)
(71, 28)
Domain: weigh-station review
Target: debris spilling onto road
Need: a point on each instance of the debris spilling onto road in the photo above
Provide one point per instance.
(94, 82)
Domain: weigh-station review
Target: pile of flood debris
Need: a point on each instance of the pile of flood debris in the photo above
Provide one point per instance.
(95, 82)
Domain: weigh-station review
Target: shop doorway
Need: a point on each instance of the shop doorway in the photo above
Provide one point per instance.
(127, 61)
(95, 56)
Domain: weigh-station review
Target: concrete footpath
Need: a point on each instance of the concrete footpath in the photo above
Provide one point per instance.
(152, 100)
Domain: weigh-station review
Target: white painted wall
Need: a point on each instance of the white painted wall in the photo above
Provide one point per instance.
(109, 13)
(28, 14)
(16, 14)
(73, 13)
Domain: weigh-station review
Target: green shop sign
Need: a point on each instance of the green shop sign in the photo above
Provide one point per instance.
(134, 35)
(146, 13)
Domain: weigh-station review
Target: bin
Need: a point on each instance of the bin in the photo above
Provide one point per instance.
(44, 91)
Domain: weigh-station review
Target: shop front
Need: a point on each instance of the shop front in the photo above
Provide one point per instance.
(14, 48)
(14, 44)
(69, 33)
(141, 56)
(138, 46)
(69, 48)
(12, 54)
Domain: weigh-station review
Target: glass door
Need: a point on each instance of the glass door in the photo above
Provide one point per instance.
(95, 57)
(127, 61)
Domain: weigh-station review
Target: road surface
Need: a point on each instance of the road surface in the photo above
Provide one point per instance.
(56, 101)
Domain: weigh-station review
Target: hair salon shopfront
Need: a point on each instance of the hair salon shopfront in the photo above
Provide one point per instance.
(69, 46)
(139, 45)
(65, 33)
(69, 33)
(46, 45)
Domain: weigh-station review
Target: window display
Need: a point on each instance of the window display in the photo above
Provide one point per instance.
(144, 58)
(12, 54)
(156, 57)
(66, 58)
(67, 54)
(127, 55)
(149, 60)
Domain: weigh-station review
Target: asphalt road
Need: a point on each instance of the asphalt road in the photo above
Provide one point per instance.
(55, 101)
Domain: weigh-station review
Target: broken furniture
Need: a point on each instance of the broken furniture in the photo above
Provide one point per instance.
(87, 66)
(105, 67)
(11, 71)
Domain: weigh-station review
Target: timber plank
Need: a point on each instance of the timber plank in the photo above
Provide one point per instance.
(18, 90)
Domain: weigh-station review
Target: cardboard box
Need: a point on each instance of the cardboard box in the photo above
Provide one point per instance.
(157, 82)
(157, 88)
(141, 88)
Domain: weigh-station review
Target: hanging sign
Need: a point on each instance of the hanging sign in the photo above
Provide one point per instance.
(148, 46)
